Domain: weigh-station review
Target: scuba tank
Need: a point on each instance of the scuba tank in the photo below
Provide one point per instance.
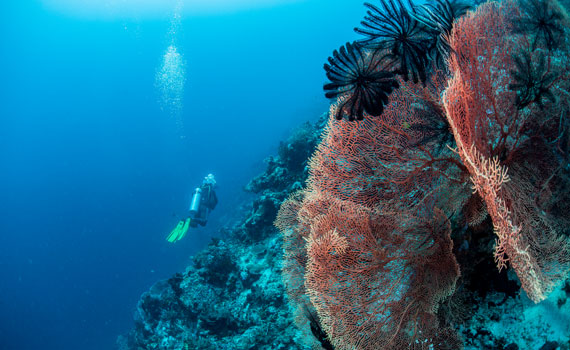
(195, 204)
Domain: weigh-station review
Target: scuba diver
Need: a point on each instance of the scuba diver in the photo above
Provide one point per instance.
(203, 202)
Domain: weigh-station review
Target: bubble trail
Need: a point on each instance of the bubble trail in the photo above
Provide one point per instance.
(171, 76)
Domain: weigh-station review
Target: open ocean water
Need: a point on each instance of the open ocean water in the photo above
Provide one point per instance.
(111, 113)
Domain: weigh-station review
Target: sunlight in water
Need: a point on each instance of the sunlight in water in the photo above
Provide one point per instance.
(154, 8)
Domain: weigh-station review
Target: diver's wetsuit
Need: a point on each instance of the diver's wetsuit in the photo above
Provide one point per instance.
(208, 202)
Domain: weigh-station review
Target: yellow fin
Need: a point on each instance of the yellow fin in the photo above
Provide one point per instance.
(184, 229)
(173, 236)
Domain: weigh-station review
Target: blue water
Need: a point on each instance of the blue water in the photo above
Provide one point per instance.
(94, 173)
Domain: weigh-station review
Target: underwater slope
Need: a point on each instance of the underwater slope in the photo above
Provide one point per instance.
(435, 210)
(444, 124)
(233, 296)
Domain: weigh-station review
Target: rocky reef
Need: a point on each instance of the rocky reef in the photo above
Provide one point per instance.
(232, 295)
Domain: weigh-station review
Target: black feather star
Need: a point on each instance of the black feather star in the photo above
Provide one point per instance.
(359, 82)
(542, 20)
(438, 17)
(532, 81)
(317, 330)
(393, 29)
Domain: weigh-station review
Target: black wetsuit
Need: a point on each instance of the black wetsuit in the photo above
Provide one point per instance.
(208, 202)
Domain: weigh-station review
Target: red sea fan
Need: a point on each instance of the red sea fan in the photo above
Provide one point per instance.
(491, 134)
(370, 233)
(376, 279)
(395, 156)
